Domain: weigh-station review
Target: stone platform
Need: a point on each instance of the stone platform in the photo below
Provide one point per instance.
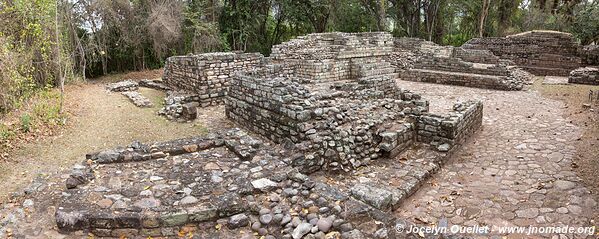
(234, 183)
(541, 53)
(455, 66)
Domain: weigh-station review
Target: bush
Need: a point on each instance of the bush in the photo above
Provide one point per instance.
(25, 123)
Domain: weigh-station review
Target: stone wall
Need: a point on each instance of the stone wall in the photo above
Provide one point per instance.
(455, 66)
(341, 119)
(333, 129)
(449, 130)
(539, 52)
(207, 75)
(585, 75)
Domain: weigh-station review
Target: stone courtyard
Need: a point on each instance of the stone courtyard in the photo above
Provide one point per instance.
(339, 135)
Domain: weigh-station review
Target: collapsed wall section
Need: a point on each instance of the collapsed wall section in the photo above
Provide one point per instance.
(206, 75)
(538, 52)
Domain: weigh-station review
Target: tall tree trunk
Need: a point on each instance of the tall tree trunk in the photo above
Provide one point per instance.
(59, 74)
(483, 16)
(382, 16)
(506, 9)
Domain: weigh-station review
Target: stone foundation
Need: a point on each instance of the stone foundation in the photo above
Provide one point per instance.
(456, 66)
(585, 75)
(539, 52)
(446, 131)
(236, 183)
(122, 86)
(341, 119)
(206, 75)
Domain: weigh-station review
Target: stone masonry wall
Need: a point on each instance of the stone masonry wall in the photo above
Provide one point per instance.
(207, 75)
(334, 120)
(330, 130)
(451, 129)
(455, 66)
(539, 52)
(585, 75)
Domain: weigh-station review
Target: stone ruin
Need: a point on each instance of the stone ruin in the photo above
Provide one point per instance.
(331, 103)
(541, 53)
(589, 74)
(585, 75)
(334, 97)
(420, 60)
(201, 80)
(590, 55)
(206, 75)
(129, 88)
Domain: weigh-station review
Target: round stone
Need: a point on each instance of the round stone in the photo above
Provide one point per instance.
(264, 211)
(256, 226)
(324, 224)
(277, 217)
(266, 219)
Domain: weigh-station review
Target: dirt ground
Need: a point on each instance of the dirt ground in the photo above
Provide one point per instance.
(98, 120)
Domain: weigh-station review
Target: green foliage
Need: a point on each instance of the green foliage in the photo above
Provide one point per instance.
(351, 16)
(6, 133)
(27, 50)
(457, 39)
(586, 25)
(47, 108)
(25, 123)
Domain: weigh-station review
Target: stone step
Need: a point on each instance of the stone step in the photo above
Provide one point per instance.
(547, 71)
(402, 180)
(374, 72)
(378, 77)
(461, 79)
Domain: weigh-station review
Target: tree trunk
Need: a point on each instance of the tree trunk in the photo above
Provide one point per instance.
(59, 74)
(483, 15)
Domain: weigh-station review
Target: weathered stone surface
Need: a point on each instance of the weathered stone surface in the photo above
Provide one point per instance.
(206, 75)
(239, 220)
(138, 99)
(126, 85)
(376, 197)
(585, 75)
(264, 184)
(301, 230)
(538, 52)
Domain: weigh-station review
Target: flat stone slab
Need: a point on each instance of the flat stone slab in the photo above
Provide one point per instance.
(387, 184)
(138, 99)
(555, 80)
(121, 86)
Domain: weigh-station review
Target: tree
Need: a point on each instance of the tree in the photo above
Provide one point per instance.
(483, 16)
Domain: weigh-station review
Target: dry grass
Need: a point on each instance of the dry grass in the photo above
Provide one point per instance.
(98, 120)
